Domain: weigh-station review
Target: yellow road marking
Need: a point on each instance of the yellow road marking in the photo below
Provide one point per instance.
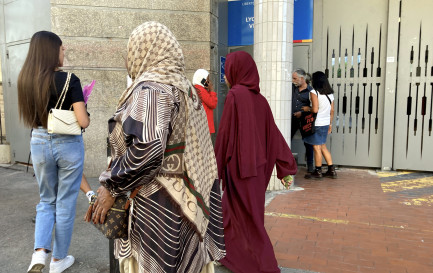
(294, 216)
(407, 184)
(391, 174)
(426, 200)
(335, 221)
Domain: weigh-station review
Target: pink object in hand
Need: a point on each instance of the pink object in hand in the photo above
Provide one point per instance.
(87, 90)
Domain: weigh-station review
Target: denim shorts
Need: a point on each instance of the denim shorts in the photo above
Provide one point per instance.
(319, 137)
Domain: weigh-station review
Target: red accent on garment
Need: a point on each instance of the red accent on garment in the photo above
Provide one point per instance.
(174, 149)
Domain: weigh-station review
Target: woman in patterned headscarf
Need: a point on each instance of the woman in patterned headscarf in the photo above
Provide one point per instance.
(175, 220)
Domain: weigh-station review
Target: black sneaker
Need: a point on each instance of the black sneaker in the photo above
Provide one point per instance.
(317, 174)
(331, 173)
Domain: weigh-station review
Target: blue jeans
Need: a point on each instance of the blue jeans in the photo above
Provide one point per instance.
(58, 163)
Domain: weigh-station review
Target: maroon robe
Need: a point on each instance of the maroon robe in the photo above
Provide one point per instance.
(247, 148)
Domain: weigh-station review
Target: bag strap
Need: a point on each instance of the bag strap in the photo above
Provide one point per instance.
(131, 196)
(328, 98)
(325, 95)
(64, 91)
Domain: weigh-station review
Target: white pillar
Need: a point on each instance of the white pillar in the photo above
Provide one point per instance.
(273, 53)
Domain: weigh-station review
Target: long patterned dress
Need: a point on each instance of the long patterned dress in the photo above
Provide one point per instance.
(176, 220)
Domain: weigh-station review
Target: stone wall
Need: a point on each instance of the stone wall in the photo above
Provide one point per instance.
(2, 113)
(2, 108)
(95, 34)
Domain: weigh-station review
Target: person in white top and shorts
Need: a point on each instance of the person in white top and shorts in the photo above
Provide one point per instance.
(322, 100)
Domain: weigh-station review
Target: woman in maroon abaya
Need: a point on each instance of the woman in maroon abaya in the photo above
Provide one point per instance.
(247, 148)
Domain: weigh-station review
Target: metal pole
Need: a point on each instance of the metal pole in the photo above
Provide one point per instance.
(114, 263)
(1, 129)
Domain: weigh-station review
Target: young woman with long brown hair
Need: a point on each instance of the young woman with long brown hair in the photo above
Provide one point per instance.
(57, 159)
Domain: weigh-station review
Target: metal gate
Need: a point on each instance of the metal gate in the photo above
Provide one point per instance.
(377, 56)
(414, 100)
(19, 137)
(15, 34)
(353, 56)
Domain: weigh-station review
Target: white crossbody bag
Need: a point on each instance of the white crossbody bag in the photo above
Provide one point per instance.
(63, 122)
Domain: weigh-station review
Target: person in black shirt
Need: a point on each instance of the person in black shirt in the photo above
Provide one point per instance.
(57, 159)
(301, 103)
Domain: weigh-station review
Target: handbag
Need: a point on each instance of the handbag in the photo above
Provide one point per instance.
(63, 122)
(307, 121)
(115, 225)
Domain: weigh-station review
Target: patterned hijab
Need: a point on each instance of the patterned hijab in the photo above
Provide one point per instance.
(154, 55)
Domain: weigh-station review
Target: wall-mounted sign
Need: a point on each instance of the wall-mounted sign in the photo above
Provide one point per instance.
(303, 21)
(241, 22)
(222, 71)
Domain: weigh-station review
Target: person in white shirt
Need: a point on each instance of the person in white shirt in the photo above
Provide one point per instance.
(322, 100)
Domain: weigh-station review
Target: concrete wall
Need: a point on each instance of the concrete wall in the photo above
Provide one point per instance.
(2, 109)
(95, 34)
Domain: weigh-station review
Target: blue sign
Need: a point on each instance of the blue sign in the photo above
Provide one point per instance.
(241, 23)
(222, 71)
(303, 21)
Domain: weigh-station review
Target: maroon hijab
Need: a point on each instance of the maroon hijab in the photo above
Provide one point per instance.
(241, 72)
(237, 135)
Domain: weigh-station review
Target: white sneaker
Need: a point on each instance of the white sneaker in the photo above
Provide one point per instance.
(61, 265)
(39, 259)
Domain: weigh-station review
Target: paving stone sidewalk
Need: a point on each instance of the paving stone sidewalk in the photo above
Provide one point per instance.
(364, 221)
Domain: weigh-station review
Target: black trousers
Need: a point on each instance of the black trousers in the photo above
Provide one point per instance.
(296, 125)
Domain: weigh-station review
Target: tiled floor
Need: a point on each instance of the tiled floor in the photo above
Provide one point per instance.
(354, 224)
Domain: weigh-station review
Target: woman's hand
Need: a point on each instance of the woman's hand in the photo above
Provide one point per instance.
(287, 181)
(210, 86)
(306, 108)
(103, 203)
(330, 129)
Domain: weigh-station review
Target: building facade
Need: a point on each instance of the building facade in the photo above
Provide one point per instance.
(383, 116)
(95, 35)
